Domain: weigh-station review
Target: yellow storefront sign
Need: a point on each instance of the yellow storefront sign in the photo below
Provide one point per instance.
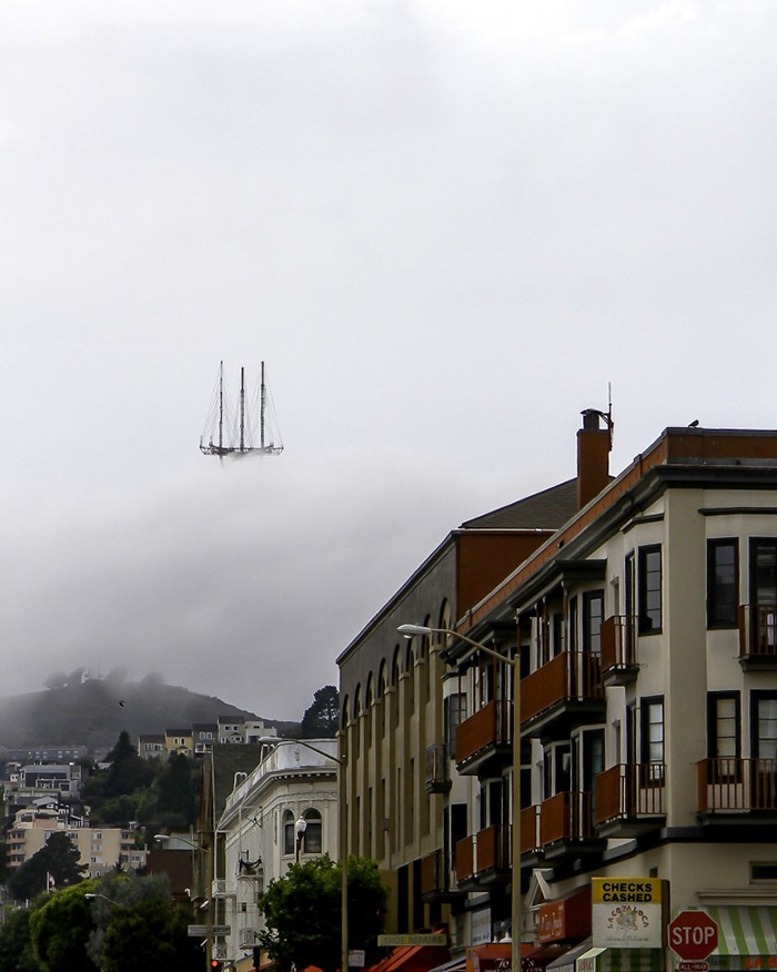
(642, 890)
(628, 912)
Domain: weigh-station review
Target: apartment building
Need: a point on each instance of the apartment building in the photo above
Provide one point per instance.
(644, 631)
(406, 805)
(99, 848)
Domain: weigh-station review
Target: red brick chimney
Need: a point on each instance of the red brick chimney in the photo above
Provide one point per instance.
(593, 455)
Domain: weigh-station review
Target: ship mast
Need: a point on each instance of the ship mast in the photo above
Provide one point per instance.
(221, 408)
(262, 396)
(242, 410)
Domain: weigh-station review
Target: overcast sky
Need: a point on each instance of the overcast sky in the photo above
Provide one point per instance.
(446, 226)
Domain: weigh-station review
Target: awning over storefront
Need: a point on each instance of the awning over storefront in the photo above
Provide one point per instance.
(455, 965)
(539, 959)
(566, 962)
(747, 938)
(412, 958)
(565, 918)
(494, 957)
(621, 960)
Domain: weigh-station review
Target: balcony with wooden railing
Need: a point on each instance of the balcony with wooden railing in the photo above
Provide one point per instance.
(485, 735)
(568, 690)
(619, 649)
(437, 778)
(742, 790)
(531, 844)
(566, 825)
(630, 799)
(435, 878)
(483, 857)
(758, 636)
(492, 850)
(465, 860)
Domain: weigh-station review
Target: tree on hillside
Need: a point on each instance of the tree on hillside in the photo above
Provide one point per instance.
(321, 719)
(57, 861)
(303, 910)
(128, 771)
(176, 806)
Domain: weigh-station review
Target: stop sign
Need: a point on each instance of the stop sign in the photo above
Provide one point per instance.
(693, 935)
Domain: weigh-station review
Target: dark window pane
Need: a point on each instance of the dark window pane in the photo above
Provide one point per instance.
(649, 589)
(722, 583)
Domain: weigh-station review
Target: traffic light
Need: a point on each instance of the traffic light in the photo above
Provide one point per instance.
(215, 965)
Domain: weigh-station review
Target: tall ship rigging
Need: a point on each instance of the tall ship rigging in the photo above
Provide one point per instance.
(250, 428)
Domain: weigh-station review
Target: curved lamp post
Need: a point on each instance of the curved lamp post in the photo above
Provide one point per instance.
(91, 895)
(516, 914)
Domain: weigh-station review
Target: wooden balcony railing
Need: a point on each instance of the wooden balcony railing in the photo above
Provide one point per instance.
(619, 643)
(436, 778)
(465, 858)
(433, 877)
(490, 726)
(572, 676)
(630, 791)
(492, 849)
(566, 816)
(530, 830)
(758, 631)
(486, 851)
(729, 785)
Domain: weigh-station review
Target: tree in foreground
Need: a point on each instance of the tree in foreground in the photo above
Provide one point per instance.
(60, 930)
(150, 935)
(302, 911)
(16, 953)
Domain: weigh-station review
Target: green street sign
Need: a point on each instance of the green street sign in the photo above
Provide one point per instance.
(432, 939)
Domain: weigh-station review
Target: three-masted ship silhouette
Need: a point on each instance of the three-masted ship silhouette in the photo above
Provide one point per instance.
(250, 428)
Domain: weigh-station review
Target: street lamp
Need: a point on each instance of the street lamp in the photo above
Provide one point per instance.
(300, 827)
(516, 914)
(91, 895)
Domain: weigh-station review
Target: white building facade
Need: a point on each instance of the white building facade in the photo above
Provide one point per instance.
(259, 832)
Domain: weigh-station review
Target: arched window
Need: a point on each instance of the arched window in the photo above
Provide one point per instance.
(311, 842)
(288, 832)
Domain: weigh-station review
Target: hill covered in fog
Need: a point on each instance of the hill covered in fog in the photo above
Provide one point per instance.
(76, 710)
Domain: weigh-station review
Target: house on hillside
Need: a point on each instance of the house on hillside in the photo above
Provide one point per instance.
(179, 741)
(205, 735)
(152, 746)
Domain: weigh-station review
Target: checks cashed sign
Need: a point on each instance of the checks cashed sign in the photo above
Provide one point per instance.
(628, 912)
